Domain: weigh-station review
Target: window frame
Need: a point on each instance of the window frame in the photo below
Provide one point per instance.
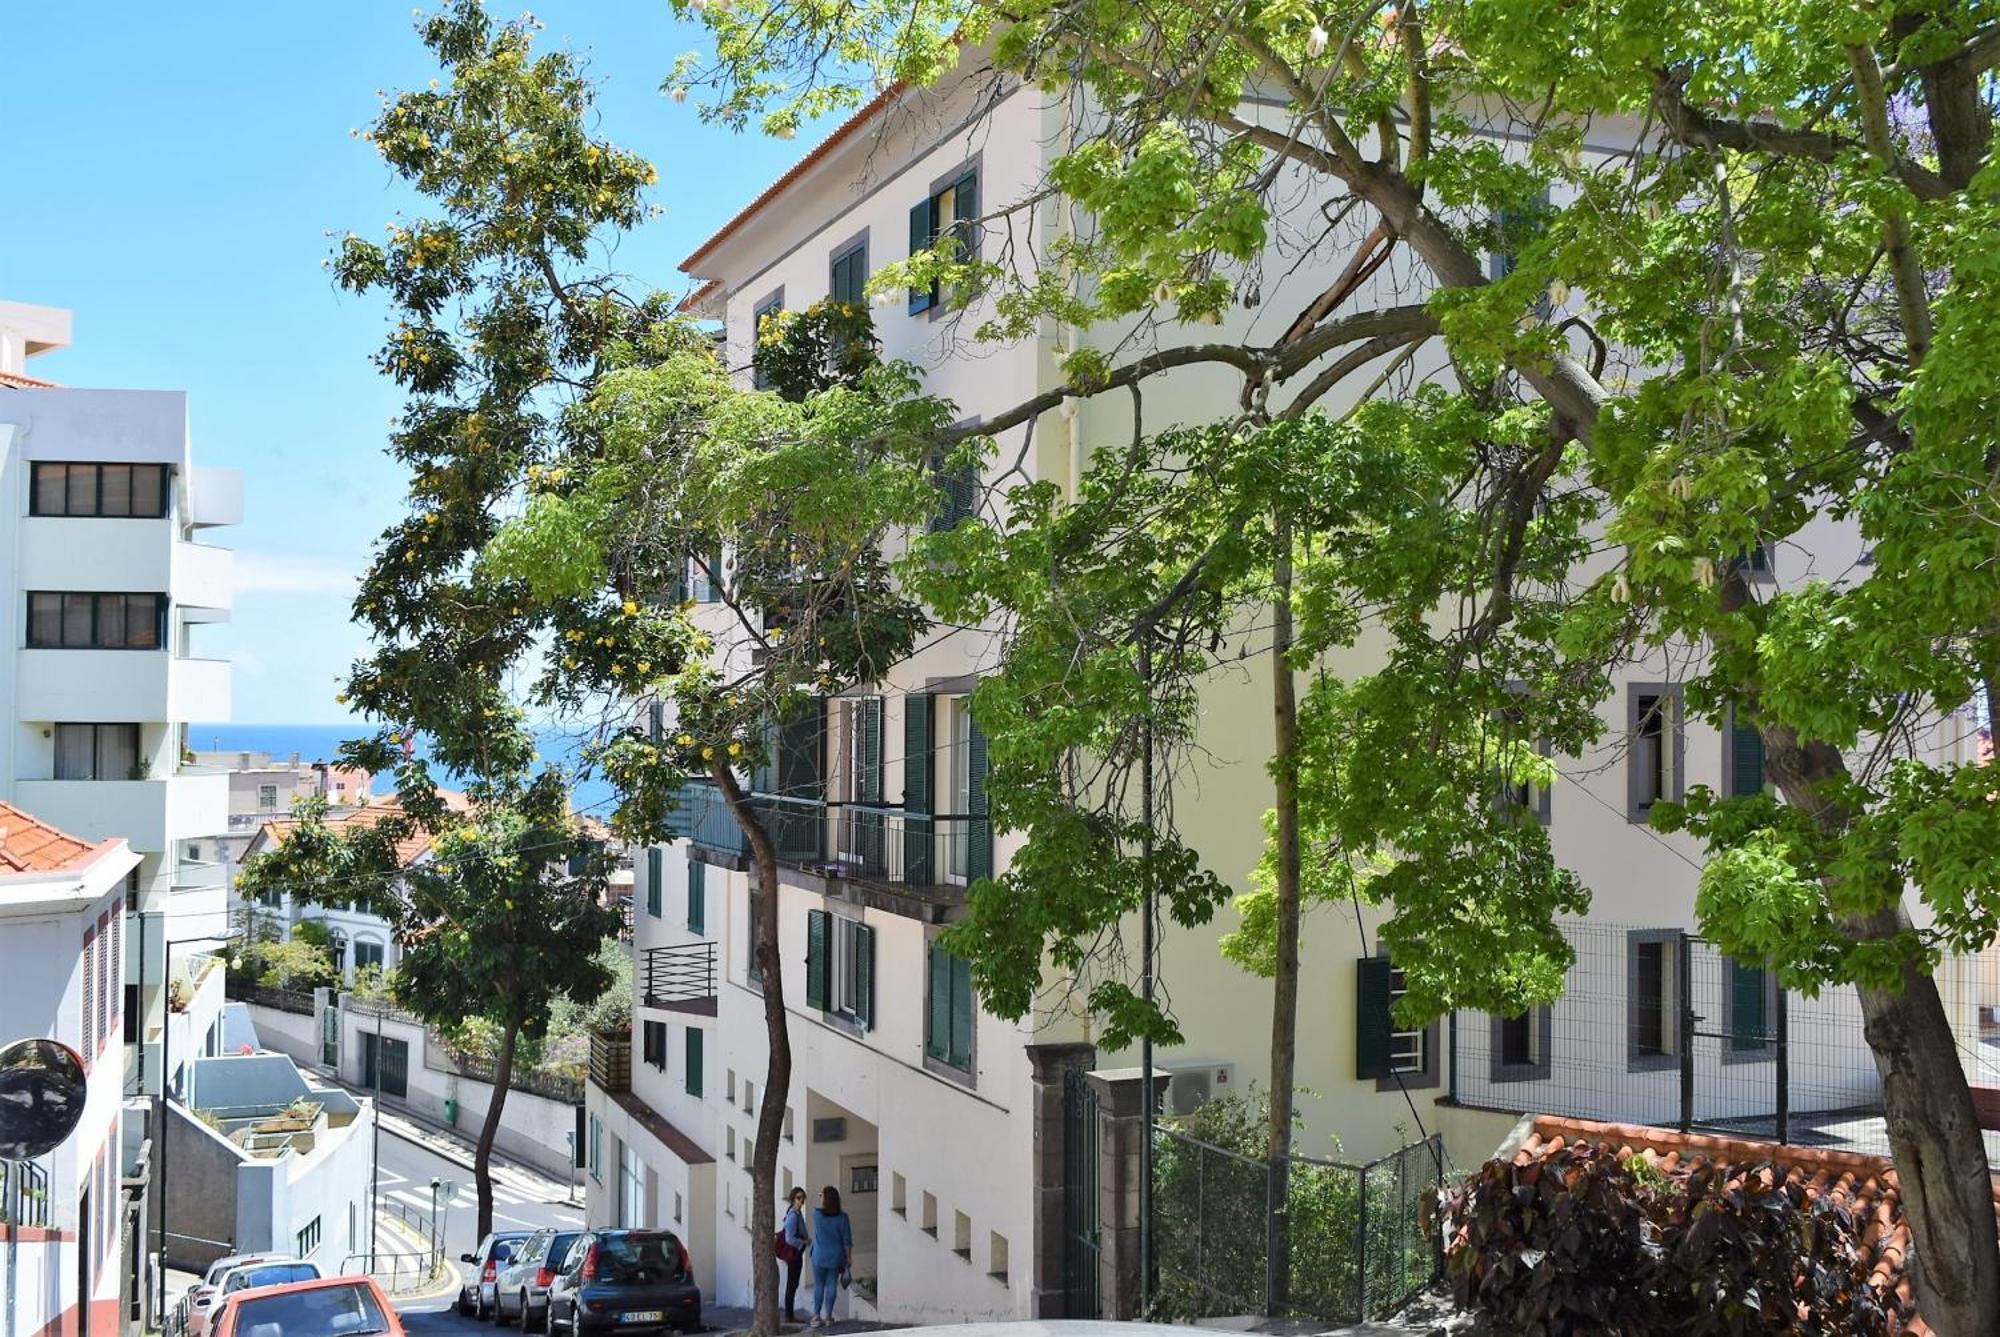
(1638, 806)
(854, 246)
(1528, 798)
(773, 304)
(97, 729)
(35, 489)
(1729, 776)
(931, 302)
(162, 605)
(1539, 1067)
(1673, 943)
(653, 1038)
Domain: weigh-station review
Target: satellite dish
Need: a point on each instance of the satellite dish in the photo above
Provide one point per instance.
(41, 1097)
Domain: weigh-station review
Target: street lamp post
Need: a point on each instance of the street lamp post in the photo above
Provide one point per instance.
(166, 1089)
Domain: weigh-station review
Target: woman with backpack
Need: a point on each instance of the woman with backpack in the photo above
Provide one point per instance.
(832, 1253)
(793, 1241)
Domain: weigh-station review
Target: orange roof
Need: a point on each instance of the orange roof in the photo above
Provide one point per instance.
(842, 133)
(1866, 1185)
(31, 846)
(408, 850)
(14, 380)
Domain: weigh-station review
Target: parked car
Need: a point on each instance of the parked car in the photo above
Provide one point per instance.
(476, 1292)
(624, 1281)
(326, 1307)
(522, 1290)
(202, 1303)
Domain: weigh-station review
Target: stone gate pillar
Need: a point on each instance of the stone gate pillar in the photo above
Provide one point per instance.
(1121, 1125)
(1050, 1065)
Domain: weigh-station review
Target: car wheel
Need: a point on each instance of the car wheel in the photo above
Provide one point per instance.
(463, 1306)
(527, 1315)
(479, 1304)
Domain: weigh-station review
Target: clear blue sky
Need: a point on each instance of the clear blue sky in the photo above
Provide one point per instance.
(173, 172)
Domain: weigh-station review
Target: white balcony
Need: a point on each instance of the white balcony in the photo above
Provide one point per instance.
(149, 686)
(204, 577)
(217, 497)
(149, 814)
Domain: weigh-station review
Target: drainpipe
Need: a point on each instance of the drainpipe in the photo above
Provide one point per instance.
(1072, 408)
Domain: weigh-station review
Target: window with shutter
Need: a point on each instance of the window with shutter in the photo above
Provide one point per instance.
(1372, 1023)
(655, 874)
(863, 1009)
(951, 210)
(656, 721)
(89, 994)
(847, 275)
(918, 864)
(1749, 1016)
(764, 310)
(697, 897)
(948, 1010)
(653, 1043)
(694, 1060)
(817, 962)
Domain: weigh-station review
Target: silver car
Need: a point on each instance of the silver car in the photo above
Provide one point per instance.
(521, 1293)
(204, 1301)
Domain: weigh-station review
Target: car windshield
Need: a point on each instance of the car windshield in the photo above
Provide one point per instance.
(637, 1260)
(322, 1311)
(503, 1250)
(559, 1251)
(270, 1274)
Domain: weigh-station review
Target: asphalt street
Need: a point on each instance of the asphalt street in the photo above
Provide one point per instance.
(521, 1200)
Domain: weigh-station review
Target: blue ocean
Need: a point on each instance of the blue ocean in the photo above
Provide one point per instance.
(321, 742)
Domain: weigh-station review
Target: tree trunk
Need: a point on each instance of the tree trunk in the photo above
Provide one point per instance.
(777, 1071)
(1940, 1156)
(482, 1153)
(1285, 975)
(1934, 1135)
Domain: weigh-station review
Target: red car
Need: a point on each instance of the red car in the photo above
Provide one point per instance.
(329, 1307)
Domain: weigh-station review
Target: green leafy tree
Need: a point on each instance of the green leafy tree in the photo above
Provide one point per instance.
(801, 485)
(493, 928)
(1788, 230)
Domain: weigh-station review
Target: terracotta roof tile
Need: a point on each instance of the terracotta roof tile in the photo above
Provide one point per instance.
(14, 380)
(31, 846)
(410, 849)
(1865, 1185)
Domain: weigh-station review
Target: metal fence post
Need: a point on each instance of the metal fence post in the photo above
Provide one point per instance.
(1272, 1236)
(1782, 1074)
(1361, 1252)
(1683, 984)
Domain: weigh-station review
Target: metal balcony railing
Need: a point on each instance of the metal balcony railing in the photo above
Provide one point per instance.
(611, 1062)
(866, 841)
(678, 976)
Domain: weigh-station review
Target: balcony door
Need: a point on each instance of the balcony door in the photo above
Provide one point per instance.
(958, 802)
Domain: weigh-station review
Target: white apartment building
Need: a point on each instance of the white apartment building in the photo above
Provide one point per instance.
(105, 585)
(62, 949)
(924, 1110)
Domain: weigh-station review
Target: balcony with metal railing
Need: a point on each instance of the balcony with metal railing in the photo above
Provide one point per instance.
(932, 857)
(679, 979)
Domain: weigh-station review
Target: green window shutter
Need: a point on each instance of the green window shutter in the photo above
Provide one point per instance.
(961, 1014)
(937, 1009)
(1746, 759)
(923, 231)
(918, 755)
(979, 828)
(965, 208)
(1746, 1007)
(656, 721)
(1371, 1017)
(871, 749)
(655, 866)
(864, 976)
(817, 958)
(694, 1060)
(697, 897)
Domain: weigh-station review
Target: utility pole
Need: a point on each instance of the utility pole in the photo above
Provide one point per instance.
(1146, 980)
(166, 1085)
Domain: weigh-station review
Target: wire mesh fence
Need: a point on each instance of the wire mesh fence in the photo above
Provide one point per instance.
(1657, 1026)
(1354, 1235)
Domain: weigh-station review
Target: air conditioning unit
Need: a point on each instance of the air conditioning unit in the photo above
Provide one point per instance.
(1193, 1085)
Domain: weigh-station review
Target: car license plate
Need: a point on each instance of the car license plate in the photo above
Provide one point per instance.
(642, 1316)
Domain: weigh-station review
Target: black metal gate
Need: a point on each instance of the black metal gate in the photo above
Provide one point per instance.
(1080, 1199)
(1735, 1050)
(393, 1056)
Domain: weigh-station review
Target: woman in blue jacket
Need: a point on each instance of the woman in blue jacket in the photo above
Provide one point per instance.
(832, 1253)
(795, 1236)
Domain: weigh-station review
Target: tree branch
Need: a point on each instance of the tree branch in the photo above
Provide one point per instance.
(1699, 130)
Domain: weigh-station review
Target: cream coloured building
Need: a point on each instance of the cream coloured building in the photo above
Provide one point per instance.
(931, 1115)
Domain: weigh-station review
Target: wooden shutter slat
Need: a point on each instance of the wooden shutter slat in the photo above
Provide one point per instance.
(864, 976)
(922, 233)
(816, 959)
(1371, 1018)
(937, 1010)
(961, 1012)
(1746, 755)
(918, 758)
(979, 829)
